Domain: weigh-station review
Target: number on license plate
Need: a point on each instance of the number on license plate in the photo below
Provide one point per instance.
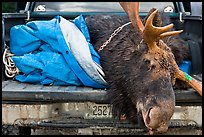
(100, 111)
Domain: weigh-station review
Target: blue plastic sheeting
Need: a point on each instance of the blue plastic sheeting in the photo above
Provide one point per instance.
(43, 56)
(185, 66)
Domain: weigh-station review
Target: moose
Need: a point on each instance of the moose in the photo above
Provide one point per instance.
(139, 65)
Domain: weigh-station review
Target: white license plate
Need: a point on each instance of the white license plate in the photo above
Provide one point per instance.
(98, 111)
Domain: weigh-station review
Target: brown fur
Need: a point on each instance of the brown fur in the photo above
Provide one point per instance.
(134, 78)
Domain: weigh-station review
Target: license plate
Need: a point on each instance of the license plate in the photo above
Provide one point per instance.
(98, 111)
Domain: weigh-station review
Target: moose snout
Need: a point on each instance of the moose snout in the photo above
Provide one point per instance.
(163, 128)
(157, 119)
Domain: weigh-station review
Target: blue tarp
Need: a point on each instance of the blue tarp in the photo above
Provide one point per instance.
(44, 57)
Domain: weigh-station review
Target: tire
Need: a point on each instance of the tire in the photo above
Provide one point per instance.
(15, 130)
(196, 67)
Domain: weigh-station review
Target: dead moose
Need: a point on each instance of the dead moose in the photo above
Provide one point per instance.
(139, 65)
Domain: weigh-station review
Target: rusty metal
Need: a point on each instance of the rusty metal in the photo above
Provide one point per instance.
(22, 114)
(112, 36)
(191, 115)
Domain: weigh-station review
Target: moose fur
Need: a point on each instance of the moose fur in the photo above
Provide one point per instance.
(134, 81)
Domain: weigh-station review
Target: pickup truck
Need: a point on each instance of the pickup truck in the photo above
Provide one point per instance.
(28, 106)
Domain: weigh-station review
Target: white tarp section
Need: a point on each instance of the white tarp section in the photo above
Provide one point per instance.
(80, 49)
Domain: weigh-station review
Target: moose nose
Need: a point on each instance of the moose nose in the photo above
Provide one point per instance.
(155, 119)
(163, 128)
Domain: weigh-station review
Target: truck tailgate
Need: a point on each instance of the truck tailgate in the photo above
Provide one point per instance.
(16, 91)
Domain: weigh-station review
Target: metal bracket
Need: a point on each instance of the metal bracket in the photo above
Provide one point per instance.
(28, 16)
(180, 17)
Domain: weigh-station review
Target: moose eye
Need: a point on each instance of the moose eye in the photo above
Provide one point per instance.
(153, 66)
(147, 61)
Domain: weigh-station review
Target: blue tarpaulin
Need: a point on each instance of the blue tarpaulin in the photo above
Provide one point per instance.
(50, 52)
(58, 52)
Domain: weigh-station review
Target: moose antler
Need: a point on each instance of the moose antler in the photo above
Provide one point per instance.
(152, 34)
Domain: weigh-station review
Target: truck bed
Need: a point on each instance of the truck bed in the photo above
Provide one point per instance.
(14, 91)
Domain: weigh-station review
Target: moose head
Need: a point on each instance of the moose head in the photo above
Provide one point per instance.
(139, 66)
(155, 96)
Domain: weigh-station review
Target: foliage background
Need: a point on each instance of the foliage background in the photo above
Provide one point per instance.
(8, 7)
